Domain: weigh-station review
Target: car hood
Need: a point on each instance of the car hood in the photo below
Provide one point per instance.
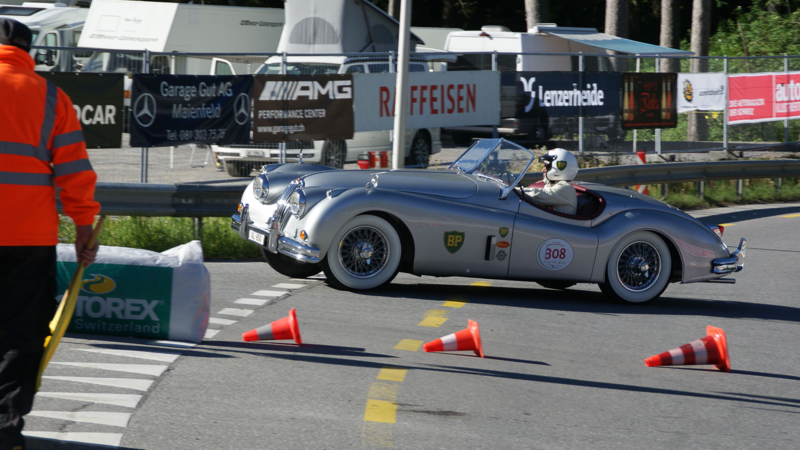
(442, 184)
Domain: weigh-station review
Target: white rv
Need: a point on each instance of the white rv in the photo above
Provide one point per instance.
(334, 37)
(135, 26)
(52, 25)
(529, 52)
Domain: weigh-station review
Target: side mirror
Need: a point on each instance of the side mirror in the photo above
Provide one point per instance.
(46, 57)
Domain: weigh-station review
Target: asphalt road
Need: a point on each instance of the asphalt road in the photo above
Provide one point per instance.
(563, 369)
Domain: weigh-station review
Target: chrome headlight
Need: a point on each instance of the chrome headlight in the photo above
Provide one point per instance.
(261, 188)
(297, 203)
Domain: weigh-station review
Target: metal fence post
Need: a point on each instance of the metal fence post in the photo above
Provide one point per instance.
(739, 188)
(580, 107)
(198, 228)
(635, 134)
(282, 144)
(495, 134)
(779, 185)
(786, 121)
(701, 189)
(143, 157)
(658, 130)
(727, 105)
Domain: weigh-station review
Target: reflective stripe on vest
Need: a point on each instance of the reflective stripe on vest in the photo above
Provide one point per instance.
(68, 168)
(26, 179)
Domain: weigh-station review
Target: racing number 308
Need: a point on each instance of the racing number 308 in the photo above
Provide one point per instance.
(555, 253)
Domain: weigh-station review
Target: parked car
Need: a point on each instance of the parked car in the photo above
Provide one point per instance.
(240, 160)
(363, 227)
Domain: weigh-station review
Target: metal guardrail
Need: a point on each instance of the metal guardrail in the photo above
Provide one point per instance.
(198, 200)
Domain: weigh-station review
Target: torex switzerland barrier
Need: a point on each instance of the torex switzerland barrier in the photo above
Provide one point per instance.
(140, 293)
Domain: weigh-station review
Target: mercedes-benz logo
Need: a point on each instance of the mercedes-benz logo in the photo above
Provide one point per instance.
(241, 109)
(144, 110)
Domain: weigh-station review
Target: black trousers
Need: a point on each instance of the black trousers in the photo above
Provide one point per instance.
(27, 304)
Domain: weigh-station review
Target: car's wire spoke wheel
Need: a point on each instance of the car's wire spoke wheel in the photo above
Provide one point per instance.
(638, 266)
(364, 252)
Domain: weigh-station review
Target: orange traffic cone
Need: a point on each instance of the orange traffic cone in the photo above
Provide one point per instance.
(467, 339)
(285, 328)
(712, 349)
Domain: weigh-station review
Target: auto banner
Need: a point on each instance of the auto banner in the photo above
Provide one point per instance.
(701, 92)
(171, 110)
(442, 99)
(302, 107)
(763, 97)
(553, 94)
(648, 100)
(97, 99)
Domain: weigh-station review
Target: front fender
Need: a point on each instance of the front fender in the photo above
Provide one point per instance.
(694, 242)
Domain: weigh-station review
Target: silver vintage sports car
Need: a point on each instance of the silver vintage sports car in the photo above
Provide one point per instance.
(362, 227)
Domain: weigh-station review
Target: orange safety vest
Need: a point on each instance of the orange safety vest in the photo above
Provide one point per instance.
(41, 146)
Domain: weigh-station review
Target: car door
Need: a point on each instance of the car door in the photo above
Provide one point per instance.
(551, 247)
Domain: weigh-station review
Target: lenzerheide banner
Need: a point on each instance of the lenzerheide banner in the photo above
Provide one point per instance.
(97, 99)
(302, 107)
(171, 110)
(649, 100)
(554, 94)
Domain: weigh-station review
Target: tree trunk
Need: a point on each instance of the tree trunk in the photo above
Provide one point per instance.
(667, 37)
(617, 25)
(394, 9)
(535, 12)
(697, 129)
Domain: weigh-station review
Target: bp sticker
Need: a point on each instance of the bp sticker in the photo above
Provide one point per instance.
(554, 254)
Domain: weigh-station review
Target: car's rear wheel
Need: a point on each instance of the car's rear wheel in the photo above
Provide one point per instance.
(239, 169)
(289, 267)
(333, 154)
(638, 268)
(364, 254)
(420, 152)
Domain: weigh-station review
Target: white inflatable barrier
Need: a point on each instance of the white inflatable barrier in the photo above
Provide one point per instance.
(140, 293)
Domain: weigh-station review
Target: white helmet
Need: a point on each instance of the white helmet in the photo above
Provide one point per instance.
(561, 165)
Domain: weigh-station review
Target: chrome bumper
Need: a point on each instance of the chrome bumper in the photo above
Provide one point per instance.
(733, 263)
(273, 241)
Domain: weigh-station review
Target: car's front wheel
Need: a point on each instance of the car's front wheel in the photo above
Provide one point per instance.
(289, 267)
(364, 254)
(334, 154)
(638, 268)
(420, 152)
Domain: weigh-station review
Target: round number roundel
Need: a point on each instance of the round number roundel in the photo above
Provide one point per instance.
(554, 254)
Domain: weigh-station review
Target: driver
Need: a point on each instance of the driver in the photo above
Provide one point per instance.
(560, 167)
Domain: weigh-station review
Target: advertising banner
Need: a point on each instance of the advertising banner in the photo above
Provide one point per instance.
(97, 99)
(553, 94)
(763, 97)
(648, 100)
(439, 99)
(701, 92)
(173, 303)
(171, 110)
(302, 107)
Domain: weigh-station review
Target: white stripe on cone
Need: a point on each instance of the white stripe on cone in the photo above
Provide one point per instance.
(450, 343)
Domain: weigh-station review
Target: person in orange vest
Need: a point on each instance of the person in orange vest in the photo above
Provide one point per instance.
(41, 147)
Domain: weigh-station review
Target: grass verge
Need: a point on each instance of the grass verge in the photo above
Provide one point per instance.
(220, 242)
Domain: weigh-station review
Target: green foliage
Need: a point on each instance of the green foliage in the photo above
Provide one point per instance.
(723, 193)
(219, 241)
(756, 31)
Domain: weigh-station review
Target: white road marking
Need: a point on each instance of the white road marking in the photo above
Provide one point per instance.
(126, 400)
(113, 419)
(288, 286)
(211, 333)
(105, 439)
(219, 321)
(269, 293)
(236, 312)
(155, 356)
(251, 301)
(125, 383)
(143, 369)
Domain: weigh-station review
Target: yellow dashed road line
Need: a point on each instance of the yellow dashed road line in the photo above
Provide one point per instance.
(482, 284)
(410, 345)
(393, 374)
(790, 216)
(454, 303)
(434, 318)
(726, 225)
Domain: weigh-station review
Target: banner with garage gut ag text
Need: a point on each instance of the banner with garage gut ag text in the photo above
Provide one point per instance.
(438, 99)
(763, 97)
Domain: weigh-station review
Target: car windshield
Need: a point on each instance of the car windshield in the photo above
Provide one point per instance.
(499, 159)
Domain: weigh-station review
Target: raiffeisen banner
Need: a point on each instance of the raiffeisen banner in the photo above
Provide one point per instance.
(438, 99)
(763, 97)
(542, 94)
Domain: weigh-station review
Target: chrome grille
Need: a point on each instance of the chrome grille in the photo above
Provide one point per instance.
(282, 212)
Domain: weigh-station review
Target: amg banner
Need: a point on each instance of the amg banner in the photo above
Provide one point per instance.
(649, 100)
(302, 107)
(549, 94)
(171, 110)
(97, 99)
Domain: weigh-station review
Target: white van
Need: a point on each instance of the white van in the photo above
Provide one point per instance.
(52, 25)
(240, 160)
